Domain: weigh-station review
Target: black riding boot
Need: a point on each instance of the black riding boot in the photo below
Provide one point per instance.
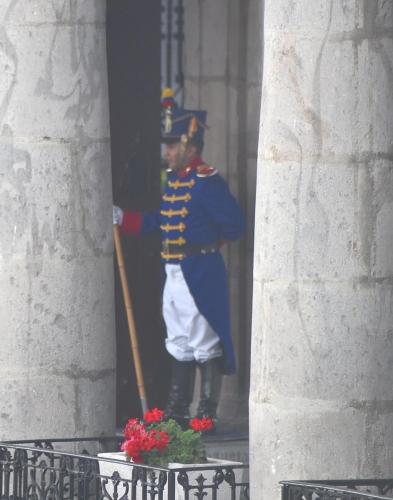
(181, 392)
(211, 381)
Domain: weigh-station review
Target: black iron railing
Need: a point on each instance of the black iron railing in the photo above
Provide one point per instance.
(69, 469)
(172, 44)
(364, 489)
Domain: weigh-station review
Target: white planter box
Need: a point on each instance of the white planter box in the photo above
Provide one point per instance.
(125, 471)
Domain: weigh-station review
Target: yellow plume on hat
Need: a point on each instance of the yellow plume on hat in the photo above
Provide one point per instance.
(167, 93)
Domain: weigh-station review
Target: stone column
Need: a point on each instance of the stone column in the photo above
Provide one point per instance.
(57, 364)
(322, 379)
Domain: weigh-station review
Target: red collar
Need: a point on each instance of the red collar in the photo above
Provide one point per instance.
(190, 167)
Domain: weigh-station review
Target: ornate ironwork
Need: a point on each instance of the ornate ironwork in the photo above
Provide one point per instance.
(365, 489)
(39, 470)
(210, 482)
(172, 21)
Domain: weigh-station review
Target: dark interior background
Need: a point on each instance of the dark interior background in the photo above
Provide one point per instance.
(133, 45)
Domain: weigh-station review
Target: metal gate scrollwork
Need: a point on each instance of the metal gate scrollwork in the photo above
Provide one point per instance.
(172, 40)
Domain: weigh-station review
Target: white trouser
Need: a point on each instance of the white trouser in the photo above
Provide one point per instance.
(189, 335)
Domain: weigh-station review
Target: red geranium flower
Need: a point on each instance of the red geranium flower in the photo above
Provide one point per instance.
(154, 415)
(157, 441)
(132, 447)
(201, 424)
(160, 439)
(137, 459)
(133, 427)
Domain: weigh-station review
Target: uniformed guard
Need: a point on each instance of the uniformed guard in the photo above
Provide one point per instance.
(198, 214)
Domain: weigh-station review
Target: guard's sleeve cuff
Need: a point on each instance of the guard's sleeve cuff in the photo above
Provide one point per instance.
(132, 223)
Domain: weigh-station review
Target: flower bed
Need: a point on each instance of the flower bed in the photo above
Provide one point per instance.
(181, 468)
(156, 441)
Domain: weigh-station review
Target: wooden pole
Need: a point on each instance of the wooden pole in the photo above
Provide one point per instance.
(130, 319)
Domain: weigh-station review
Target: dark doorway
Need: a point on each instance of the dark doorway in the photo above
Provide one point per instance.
(134, 44)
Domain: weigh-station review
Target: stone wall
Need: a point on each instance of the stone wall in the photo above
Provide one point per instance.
(56, 273)
(223, 45)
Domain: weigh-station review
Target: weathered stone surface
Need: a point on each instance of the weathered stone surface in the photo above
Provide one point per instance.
(295, 436)
(331, 241)
(60, 76)
(324, 109)
(206, 40)
(38, 12)
(57, 362)
(321, 399)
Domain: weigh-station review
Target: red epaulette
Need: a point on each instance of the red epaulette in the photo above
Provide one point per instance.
(206, 171)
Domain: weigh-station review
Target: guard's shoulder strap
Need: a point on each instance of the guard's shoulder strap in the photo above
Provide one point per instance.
(206, 171)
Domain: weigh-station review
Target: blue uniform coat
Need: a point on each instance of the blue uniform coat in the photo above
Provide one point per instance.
(197, 208)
